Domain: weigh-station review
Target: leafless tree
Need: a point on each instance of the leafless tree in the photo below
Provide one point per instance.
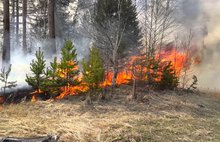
(108, 36)
(186, 43)
(157, 24)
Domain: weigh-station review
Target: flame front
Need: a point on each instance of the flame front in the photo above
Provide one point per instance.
(125, 75)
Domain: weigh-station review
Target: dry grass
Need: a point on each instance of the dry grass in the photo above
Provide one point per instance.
(166, 117)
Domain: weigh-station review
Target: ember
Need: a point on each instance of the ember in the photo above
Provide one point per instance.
(37, 92)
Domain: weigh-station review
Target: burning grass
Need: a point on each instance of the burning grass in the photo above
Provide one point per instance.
(164, 117)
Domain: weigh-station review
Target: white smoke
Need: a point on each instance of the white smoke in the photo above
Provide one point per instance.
(21, 63)
(209, 69)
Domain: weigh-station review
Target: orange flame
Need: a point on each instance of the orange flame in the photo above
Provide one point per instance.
(37, 92)
(125, 75)
(178, 60)
(33, 99)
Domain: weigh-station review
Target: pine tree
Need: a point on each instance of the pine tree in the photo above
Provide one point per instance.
(6, 35)
(93, 72)
(38, 70)
(108, 9)
(93, 69)
(69, 65)
(169, 80)
(52, 83)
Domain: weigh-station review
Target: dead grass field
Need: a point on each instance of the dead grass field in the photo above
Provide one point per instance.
(165, 117)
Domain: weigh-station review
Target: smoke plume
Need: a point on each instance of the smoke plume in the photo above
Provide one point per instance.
(202, 17)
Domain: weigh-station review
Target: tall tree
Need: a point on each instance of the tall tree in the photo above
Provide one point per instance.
(51, 25)
(39, 21)
(6, 40)
(13, 16)
(24, 9)
(125, 13)
(17, 21)
(117, 29)
(157, 27)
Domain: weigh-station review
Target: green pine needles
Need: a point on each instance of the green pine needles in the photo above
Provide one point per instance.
(93, 69)
(58, 74)
(69, 65)
(169, 79)
(37, 68)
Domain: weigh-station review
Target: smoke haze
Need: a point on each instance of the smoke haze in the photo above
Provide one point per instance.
(209, 70)
(202, 16)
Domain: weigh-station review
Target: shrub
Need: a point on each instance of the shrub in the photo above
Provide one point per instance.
(193, 85)
(169, 79)
(4, 78)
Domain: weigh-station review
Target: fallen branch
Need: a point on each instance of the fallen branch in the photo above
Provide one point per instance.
(48, 138)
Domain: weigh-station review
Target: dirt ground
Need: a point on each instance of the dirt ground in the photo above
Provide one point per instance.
(157, 117)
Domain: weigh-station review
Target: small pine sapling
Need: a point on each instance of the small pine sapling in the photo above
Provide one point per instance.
(152, 71)
(93, 70)
(4, 78)
(68, 67)
(169, 80)
(38, 69)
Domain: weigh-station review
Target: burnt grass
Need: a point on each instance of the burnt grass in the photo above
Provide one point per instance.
(157, 116)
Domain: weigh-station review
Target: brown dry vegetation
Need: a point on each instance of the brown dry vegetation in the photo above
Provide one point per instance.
(162, 117)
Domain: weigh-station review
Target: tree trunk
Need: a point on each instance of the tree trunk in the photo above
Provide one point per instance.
(13, 17)
(88, 100)
(115, 73)
(37, 139)
(133, 93)
(17, 22)
(6, 40)
(24, 26)
(51, 26)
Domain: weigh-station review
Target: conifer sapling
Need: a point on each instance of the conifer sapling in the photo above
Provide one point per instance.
(68, 67)
(38, 69)
(93, 69)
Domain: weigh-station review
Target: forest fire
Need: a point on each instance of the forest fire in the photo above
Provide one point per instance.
(124, 76)
(68, 90)
(178, 60)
